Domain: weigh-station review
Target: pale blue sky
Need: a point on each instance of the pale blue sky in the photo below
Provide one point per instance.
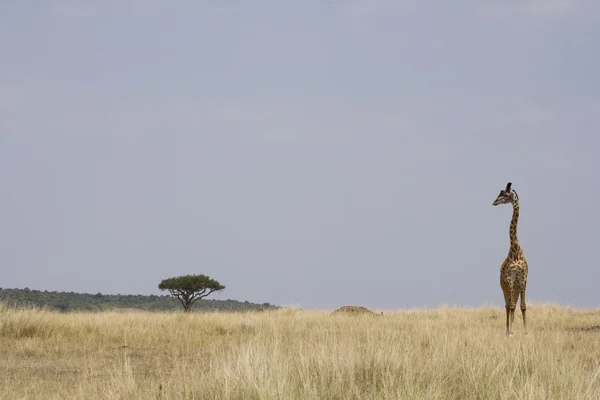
(310, 153)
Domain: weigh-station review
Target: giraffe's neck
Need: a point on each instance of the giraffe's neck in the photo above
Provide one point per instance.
(515, 248)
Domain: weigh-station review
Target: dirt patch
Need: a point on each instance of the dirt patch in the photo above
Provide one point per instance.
(355, 310)
(595, 328)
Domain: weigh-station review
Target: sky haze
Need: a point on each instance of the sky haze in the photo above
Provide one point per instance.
(310, 153)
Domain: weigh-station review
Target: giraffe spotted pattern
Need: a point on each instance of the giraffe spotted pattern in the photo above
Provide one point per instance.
(514, 269)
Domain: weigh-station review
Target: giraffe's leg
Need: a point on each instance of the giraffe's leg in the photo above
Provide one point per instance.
(507, 320)
(512, 322)
(524, 309)
(510, 318)
(507, 306)
(514, 296)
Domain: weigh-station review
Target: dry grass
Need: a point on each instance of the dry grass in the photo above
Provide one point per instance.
(290, 354)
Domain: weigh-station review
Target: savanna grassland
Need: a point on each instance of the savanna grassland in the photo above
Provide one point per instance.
(444, 353)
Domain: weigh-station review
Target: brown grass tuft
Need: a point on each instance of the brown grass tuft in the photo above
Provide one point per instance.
(354, 310)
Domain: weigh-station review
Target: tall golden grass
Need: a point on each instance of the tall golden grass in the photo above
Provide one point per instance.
(444, 353)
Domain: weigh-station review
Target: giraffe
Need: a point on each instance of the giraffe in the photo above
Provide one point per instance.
(513, 273)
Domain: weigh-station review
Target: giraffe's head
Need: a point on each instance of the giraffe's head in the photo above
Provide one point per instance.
(506, 196)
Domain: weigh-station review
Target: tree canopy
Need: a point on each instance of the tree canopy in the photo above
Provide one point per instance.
(190, 288)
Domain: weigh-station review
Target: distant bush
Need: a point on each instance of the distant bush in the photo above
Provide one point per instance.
(69, 301)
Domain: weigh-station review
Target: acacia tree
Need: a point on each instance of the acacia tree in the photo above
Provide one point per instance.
(190, 288)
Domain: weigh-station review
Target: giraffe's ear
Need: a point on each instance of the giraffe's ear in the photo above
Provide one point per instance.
(508, 186)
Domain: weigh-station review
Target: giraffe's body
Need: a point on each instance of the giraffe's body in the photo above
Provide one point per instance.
(513, 273)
